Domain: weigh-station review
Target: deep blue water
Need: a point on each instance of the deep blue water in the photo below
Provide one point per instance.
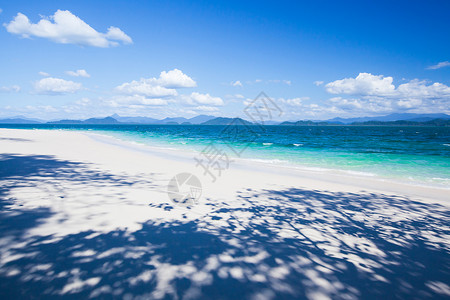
(417, 154)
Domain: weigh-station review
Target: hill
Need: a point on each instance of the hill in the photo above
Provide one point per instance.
(92, 121)
(18, 121)
(391, 117)
(227, 121)
(435, 122)
(304, 123)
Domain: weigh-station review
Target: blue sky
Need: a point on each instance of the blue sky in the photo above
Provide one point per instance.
(315, 59)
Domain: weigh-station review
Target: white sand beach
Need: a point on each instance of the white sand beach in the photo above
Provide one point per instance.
(89, 216)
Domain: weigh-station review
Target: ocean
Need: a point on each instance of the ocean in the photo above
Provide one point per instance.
(419, 155)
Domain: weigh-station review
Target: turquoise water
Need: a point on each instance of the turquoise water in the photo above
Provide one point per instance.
(415, 154)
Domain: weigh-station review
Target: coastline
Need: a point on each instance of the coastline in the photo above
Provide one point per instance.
(361, 180)
(325, 230)
(294, 175)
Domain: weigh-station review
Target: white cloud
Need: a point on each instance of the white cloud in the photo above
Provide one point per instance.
(363, 84)
(203, 99)
(164, 86)
(66, 28)
(371, 95)
(116, 34)
(45, 74)
(145, 87)
(420, 89)
(368, 85)
(9, 89)
(1, 10)
(318, 82)
(349, 104)
(442, 64)
(175, 79)
(206, 108)
(78, 73)
(413, 96)
(269, 81)
(293, 101)
(236, 83)
(136, 100)
(56, 86)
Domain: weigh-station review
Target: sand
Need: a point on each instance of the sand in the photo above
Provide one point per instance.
(87, 215)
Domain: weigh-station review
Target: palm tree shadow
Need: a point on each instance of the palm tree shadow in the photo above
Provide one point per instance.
(289, 243)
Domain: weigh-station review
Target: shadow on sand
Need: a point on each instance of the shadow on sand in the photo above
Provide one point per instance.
(290, 243)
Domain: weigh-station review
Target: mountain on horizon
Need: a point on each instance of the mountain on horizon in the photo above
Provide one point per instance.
(18, 121)
(305, 123)
(227, 121)
(90, 121)
(174, 120)
(27, 119)
(200, 119)
(139, 120)
(392, 117)
(211, 120)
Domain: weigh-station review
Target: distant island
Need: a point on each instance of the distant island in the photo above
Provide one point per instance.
(434, 122)
(227, 121)
(407, 119)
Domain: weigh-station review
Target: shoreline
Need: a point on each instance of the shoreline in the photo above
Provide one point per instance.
(262, 161)
(85, 218)
(295, 174)
(403, 167)
(375, 182)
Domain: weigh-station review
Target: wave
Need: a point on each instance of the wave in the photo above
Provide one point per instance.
(352, 161)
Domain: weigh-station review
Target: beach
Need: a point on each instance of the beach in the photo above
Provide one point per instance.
(87, 215)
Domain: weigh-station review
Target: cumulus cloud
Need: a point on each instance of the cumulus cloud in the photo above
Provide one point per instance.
(377, 94)
(78, 73)
(300, 108)
(420, 89)
(138, 100)
(145, 87)
(56, 86)
(348, 104)
(203, 99)
(363, 84)
(369, 94)
(45, 74)
(163, 86)
(318, 82)
(442, 64)
(9, 89)
(236, 83)
(175, 79)
(66, 28)
(366, 84)
(293, 101)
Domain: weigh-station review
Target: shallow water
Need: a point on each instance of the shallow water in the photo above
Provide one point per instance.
(414, 154)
